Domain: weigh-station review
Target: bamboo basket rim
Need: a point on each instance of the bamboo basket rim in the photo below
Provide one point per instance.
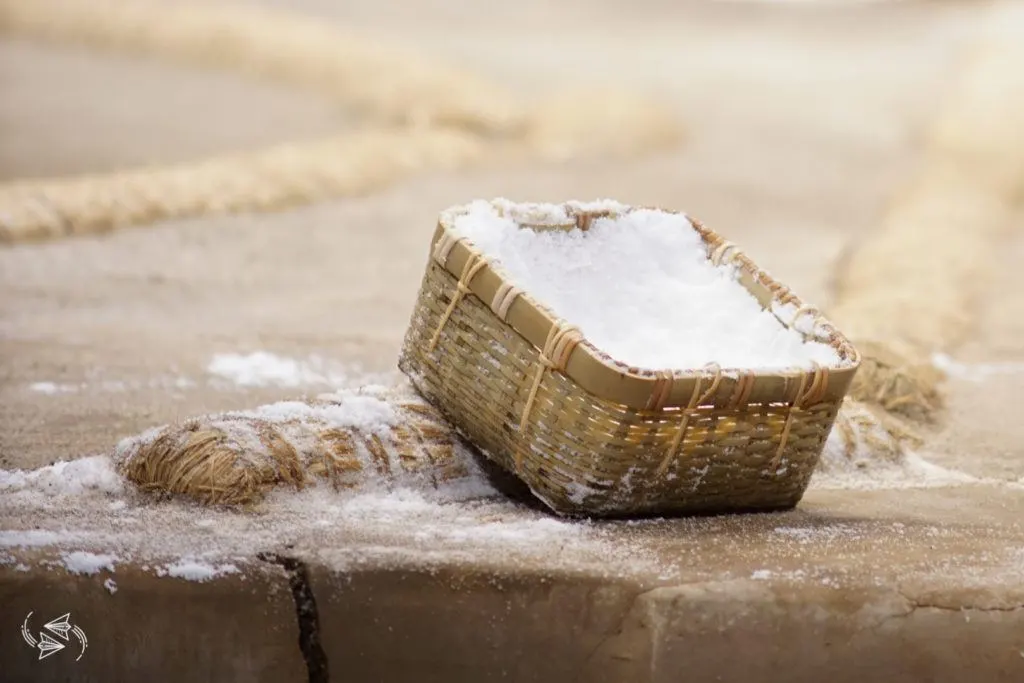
(641, 388)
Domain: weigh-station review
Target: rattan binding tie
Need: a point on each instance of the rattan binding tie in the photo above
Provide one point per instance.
(813, 394)
(696, 399)
(474, 264)
(578, 219)
(443, 248)
(661, 390)
(504, 297)
(719, 254)
(744, 387)
(806, 309)
(818, 328)
(802, 311)
(561, 341)
(584, 219)
(547, 225)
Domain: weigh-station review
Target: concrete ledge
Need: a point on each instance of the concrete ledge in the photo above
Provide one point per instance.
(410, 626)
(153, 629)
(723, 632)
(287, 621)
(450, 625)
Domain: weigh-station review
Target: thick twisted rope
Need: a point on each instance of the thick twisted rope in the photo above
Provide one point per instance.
(268, 179)
(429, 116)
(914, 286)
(381, 80)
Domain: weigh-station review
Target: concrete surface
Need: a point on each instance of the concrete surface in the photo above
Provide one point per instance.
(236, 629)
(802, 123)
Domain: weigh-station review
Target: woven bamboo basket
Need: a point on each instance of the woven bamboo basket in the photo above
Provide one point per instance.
(591, 436)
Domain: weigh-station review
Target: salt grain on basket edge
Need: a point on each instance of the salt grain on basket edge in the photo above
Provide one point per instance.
(591, 436)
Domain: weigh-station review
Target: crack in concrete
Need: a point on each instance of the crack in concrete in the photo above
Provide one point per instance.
(615, 632)
(926, 605)
(913, 605)
(307, 615)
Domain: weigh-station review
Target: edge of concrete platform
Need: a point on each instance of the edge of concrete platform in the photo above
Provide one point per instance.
(144, 627)
(446, 625)
(283, 620)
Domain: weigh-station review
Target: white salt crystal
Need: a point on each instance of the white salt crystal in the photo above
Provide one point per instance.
(262, 369)
(197, 570)
(51, 387)
(110, 585)
(88, 563)
(854, 463)
(76, 477)
(31, 538)
(127, 447)
(639, 286)
(367, 413)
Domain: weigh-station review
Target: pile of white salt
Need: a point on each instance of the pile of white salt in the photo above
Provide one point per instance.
(638, 285)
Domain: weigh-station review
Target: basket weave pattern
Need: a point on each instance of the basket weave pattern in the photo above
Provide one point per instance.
(636, 442)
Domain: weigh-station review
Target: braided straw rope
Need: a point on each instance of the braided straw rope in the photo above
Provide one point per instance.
(913, 287)
(428, 116)
(380, 80)
(235, 459)
(274, 178)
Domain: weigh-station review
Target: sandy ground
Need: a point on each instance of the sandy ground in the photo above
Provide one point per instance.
(802, 122)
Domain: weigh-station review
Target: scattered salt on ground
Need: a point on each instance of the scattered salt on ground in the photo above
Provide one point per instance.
(865, 468)
(432, 517)
(33, 538)
(66, 509)
(111, 386)
(196, 570)
(64, 478)
(975, 372)
(365, 413)
(456, 523)
(232, 370)
(51, 387)
(264, 369)
(827, 534)
(912, 472)
(527, 531)
(405, 528)
(110, 585)
(81, 562)
(640, 287)
(761, 575)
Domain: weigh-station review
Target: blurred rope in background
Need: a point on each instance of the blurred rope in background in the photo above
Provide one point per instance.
(420, 115)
